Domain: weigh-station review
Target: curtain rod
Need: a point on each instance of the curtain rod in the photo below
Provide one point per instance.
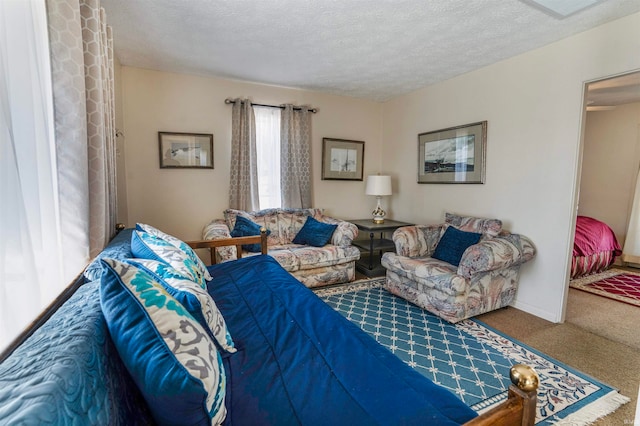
(297, 108)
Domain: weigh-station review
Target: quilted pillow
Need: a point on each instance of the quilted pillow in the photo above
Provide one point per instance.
(173, 361)
(147, 246)
(178, 244)
(314, 233)
(491, 227)
(193, 297)
(453, 244)
(246, 228)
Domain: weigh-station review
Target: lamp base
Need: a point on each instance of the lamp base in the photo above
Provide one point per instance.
(378, 213)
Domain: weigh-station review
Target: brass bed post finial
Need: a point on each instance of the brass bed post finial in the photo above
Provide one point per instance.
(524, 377)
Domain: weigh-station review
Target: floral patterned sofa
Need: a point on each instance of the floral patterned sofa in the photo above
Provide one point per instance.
(313, 266)
(486, 277)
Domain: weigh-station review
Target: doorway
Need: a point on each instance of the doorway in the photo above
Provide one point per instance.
(611, 151)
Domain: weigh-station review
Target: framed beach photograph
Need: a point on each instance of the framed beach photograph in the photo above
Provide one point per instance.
(185, 150)
(342, 159)
(453, 155)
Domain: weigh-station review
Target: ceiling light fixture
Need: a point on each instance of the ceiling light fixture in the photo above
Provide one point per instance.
(561, 8)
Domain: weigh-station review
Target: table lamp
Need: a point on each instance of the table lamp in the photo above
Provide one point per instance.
(379, 186)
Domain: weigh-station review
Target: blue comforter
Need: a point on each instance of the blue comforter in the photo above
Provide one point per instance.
(300, 362)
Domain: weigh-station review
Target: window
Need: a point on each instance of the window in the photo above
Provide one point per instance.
(31, 269)
(268, 151)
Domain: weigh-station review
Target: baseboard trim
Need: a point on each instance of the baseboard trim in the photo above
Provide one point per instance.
(534, 310)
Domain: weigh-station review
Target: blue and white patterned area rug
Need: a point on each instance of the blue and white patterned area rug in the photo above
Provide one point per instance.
(469, 358)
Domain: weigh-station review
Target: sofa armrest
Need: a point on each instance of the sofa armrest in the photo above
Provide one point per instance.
(217, 229)
(344, 234)
(495, 253)
(417, 240)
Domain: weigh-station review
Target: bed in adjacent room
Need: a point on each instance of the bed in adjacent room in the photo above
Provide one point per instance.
(595, 247)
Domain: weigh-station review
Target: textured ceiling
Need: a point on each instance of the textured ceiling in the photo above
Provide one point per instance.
(373, 49)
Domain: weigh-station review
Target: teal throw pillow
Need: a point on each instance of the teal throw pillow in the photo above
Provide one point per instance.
(246, 228)
(171, 358)
(148, 246)
(178, 243)
(193, 297)
(453, 243)
(314, 233)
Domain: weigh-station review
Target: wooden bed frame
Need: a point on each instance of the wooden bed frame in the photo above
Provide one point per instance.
(519, 408)
(238, 242)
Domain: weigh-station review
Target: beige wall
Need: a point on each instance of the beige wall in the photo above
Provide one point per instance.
(610, 166)
(182, 202)
(533, 104)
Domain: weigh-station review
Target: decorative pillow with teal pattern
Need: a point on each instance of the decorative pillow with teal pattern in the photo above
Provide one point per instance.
(147, 246)
(178, 244)
(193, 297)
(172, 359)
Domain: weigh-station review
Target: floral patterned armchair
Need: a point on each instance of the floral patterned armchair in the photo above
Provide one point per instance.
(485, 279)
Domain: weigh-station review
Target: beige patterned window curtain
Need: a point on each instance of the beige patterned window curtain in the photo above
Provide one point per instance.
(83, 86)
(295, 157)
(243, 185)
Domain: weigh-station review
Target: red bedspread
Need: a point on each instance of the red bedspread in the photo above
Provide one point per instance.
(593, 236)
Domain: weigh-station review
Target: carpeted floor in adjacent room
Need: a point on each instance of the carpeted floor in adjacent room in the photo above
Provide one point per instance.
(599, 337)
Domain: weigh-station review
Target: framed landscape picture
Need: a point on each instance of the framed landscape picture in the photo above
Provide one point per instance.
(185, 150)
(453, 155)
(342, 159)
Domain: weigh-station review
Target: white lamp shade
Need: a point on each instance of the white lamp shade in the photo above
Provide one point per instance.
(378, 185)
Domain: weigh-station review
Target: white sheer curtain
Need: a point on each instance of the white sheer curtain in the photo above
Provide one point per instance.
(31, 269)
(47, 181)
(631, 250)
(268, 148)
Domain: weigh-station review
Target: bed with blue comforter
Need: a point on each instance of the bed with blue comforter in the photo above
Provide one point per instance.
(300, 362)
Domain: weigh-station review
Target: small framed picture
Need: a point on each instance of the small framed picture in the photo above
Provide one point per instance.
(185, 150)
(453, 155)
(342, 159)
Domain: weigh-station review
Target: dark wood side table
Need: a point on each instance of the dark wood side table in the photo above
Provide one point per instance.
(372, 249)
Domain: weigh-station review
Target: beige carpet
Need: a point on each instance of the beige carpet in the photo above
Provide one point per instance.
(599, 338)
